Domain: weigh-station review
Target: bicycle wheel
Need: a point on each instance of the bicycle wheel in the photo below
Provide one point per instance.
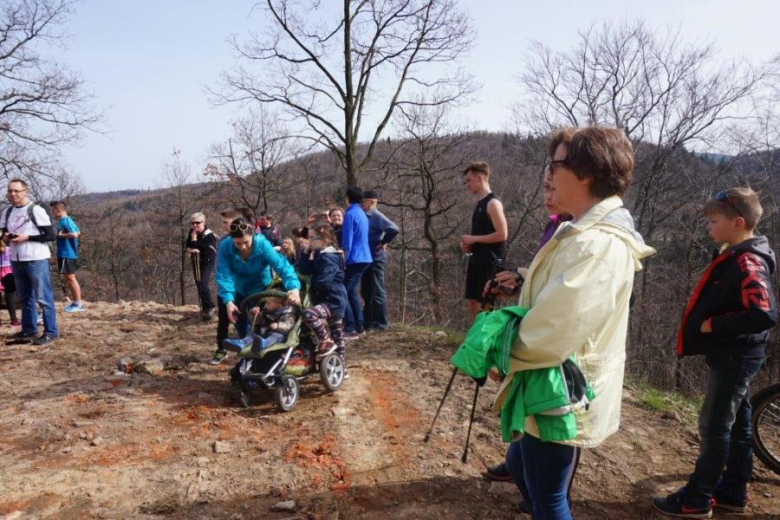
(766, 426)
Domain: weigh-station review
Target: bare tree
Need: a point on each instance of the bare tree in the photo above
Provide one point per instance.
(176, 176)
(251, 161)
(663, 93)
(42, 104)
(344, 78)
(428, 172)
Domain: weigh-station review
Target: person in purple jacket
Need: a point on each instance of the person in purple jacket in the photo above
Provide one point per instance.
(354, 243)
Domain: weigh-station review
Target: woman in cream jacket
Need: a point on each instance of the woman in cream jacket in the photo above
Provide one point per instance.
(577, 290)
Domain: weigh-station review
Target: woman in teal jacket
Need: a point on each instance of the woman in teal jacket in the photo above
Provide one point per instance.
(244, 265)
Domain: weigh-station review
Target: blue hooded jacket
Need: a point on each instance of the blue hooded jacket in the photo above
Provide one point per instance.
(238, 276)
(327, 279)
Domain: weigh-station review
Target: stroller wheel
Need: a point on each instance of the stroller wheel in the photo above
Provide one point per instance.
(332, 371)
(286, 393)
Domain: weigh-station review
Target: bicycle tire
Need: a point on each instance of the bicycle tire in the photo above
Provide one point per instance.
(766, 402)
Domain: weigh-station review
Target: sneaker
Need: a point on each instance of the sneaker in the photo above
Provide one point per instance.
(730, 504)
(21, 335)
(498, 473)
(74, 307)
(349, 336)
(44, 339)
(674, 505)
(326, 347)
(237, 344)
(207, 315)
(16, 323)
(219, 357)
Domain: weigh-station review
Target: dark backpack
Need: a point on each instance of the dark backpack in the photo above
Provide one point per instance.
(30, 214)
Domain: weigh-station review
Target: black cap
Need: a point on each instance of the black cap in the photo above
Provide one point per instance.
(370, 194)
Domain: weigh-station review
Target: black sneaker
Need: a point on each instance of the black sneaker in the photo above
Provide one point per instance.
(21, 335)
(673, 505)
(44, 339)
(730, 504)
(219, 357)
(499, 473)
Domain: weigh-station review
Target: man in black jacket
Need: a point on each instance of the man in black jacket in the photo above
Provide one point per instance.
(727, 320)
(202, 247)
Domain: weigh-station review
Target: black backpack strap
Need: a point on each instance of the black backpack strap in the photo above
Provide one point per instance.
(7, 216)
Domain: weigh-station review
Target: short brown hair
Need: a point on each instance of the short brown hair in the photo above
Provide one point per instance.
(603, 154)
(230, 214)
(737, 202)
(480, 168)
(57, 204)
(337, 208)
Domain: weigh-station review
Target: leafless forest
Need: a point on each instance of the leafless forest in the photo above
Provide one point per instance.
(390, 123)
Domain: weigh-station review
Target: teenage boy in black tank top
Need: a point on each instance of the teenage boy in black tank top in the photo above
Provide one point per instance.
(487, 241)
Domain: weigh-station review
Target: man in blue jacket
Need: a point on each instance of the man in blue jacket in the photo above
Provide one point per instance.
(381, 231)
(354, 242)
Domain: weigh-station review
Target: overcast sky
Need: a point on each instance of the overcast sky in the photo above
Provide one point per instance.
(147, 63)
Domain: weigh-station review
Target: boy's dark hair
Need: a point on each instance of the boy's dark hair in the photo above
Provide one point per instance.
(354, 195)
(737, 202)
(241, 228)
(478, 168)
(370, 194)
(247, 214)
(231, 214)
(603, 154)
(301, 232)
(57, 204)
(265, 214)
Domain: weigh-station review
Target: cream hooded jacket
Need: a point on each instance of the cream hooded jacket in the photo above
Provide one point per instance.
(577, 291)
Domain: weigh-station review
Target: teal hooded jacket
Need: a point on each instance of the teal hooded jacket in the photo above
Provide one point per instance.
(238, 276)
(542, 393)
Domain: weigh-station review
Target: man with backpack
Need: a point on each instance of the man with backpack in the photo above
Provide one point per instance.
(26, 227)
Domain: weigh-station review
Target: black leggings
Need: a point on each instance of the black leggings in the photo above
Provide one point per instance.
(10, 303)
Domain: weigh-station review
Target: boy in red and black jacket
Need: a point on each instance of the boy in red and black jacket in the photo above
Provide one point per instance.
(727, 320)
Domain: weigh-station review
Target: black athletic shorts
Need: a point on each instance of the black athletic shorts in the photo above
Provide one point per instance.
(66, 265)
(477, 276)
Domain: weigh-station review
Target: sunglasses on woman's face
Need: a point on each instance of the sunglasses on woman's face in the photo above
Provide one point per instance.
(240, 227)
(723, 197)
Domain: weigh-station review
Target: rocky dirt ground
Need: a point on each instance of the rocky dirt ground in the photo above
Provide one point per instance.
(82, 442)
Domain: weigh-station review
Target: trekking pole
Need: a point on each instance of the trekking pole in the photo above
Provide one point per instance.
(195, 258)
(471, 421)
(446, 392)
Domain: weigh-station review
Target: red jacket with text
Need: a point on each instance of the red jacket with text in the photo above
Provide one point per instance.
(735, 295)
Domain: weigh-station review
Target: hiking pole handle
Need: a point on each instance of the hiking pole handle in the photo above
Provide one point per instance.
(471, 421)
(446, 392)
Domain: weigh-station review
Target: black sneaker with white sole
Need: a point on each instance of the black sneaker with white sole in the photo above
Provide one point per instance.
(44, 339)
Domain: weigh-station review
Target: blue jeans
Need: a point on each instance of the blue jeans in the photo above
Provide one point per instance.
(353, 314)
(726, 440)
(374, 295)
(33, 285)
(543, 472)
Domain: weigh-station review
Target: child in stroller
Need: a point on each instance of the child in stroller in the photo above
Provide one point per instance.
(273, 323)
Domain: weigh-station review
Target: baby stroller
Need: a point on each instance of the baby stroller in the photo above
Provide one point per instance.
(269, 367)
